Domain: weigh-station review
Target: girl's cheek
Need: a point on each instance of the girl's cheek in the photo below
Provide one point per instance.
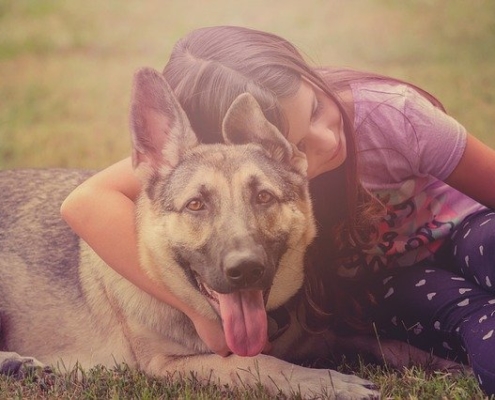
(325, 144)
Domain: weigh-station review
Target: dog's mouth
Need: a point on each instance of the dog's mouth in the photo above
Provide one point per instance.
(212, 296)
(244, 318)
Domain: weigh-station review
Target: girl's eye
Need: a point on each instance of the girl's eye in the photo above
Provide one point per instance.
(264, 197)
(317, 109)
(195, 205)
(301, 146)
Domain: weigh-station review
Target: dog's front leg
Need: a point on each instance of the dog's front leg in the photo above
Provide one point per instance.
(275, 375)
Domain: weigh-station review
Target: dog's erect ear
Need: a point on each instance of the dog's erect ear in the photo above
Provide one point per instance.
(245, 122)
(160, 129)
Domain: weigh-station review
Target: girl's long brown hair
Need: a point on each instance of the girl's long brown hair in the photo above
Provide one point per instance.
(210, 67)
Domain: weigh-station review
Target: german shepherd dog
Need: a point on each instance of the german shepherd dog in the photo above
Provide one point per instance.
(223, 226)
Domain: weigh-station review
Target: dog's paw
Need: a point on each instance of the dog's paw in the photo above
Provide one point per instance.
(12, 364)
(335, 385)
(353, 387)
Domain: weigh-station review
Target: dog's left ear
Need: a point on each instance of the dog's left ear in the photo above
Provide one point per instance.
(245, 122)
(161, 132)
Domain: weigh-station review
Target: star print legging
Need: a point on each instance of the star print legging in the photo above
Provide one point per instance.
(448, 305)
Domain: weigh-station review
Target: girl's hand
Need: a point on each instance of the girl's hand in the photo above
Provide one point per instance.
(211, 333)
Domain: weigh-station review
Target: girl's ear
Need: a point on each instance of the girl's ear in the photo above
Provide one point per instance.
(160, 130)
(245, 122)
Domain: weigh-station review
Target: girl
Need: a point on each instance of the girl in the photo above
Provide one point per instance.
(406, 229)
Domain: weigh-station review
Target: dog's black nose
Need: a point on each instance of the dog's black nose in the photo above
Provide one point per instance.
(246, 273)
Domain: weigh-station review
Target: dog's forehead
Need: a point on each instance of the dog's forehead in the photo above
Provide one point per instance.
(231, 162)
(232, 159)
(221, 166)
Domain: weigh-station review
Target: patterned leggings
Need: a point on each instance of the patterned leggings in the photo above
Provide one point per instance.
(448, 305)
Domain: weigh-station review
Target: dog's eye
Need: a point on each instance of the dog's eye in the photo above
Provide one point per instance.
(195, 205)
(264, 197)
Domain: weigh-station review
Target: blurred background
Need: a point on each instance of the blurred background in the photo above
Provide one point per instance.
(66, 66)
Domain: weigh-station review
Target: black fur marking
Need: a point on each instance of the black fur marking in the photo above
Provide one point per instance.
(11, 367)
(186, 267)
(282, 321)
(35, 195)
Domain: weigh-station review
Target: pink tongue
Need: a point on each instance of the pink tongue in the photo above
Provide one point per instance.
(244, 321)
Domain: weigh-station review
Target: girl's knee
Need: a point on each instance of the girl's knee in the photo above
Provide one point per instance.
(486, 378)
(478, 338)
(472, 250)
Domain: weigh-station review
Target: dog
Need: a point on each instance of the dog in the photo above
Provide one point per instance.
(224, 226)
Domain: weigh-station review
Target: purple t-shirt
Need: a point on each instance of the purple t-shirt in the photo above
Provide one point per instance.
(406, 148)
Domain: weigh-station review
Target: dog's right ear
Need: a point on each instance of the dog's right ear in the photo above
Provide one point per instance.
(244, 122)
(160, 130)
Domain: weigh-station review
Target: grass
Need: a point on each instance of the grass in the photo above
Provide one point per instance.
(122, 382)
(66, 69)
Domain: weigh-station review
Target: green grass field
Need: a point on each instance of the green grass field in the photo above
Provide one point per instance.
(65, 80)
(66, 67)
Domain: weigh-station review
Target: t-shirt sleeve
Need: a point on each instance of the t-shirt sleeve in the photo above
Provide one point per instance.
(400, 135)
(437, 139)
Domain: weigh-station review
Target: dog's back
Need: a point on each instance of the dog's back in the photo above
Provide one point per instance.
(31, 229)
(39, 257)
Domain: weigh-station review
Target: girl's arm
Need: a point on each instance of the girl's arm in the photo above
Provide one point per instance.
(475, 173)
(101, 211)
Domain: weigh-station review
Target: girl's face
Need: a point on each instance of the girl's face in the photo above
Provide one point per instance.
(316, 128)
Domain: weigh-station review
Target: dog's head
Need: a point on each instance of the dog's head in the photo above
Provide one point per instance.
(224, 226)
